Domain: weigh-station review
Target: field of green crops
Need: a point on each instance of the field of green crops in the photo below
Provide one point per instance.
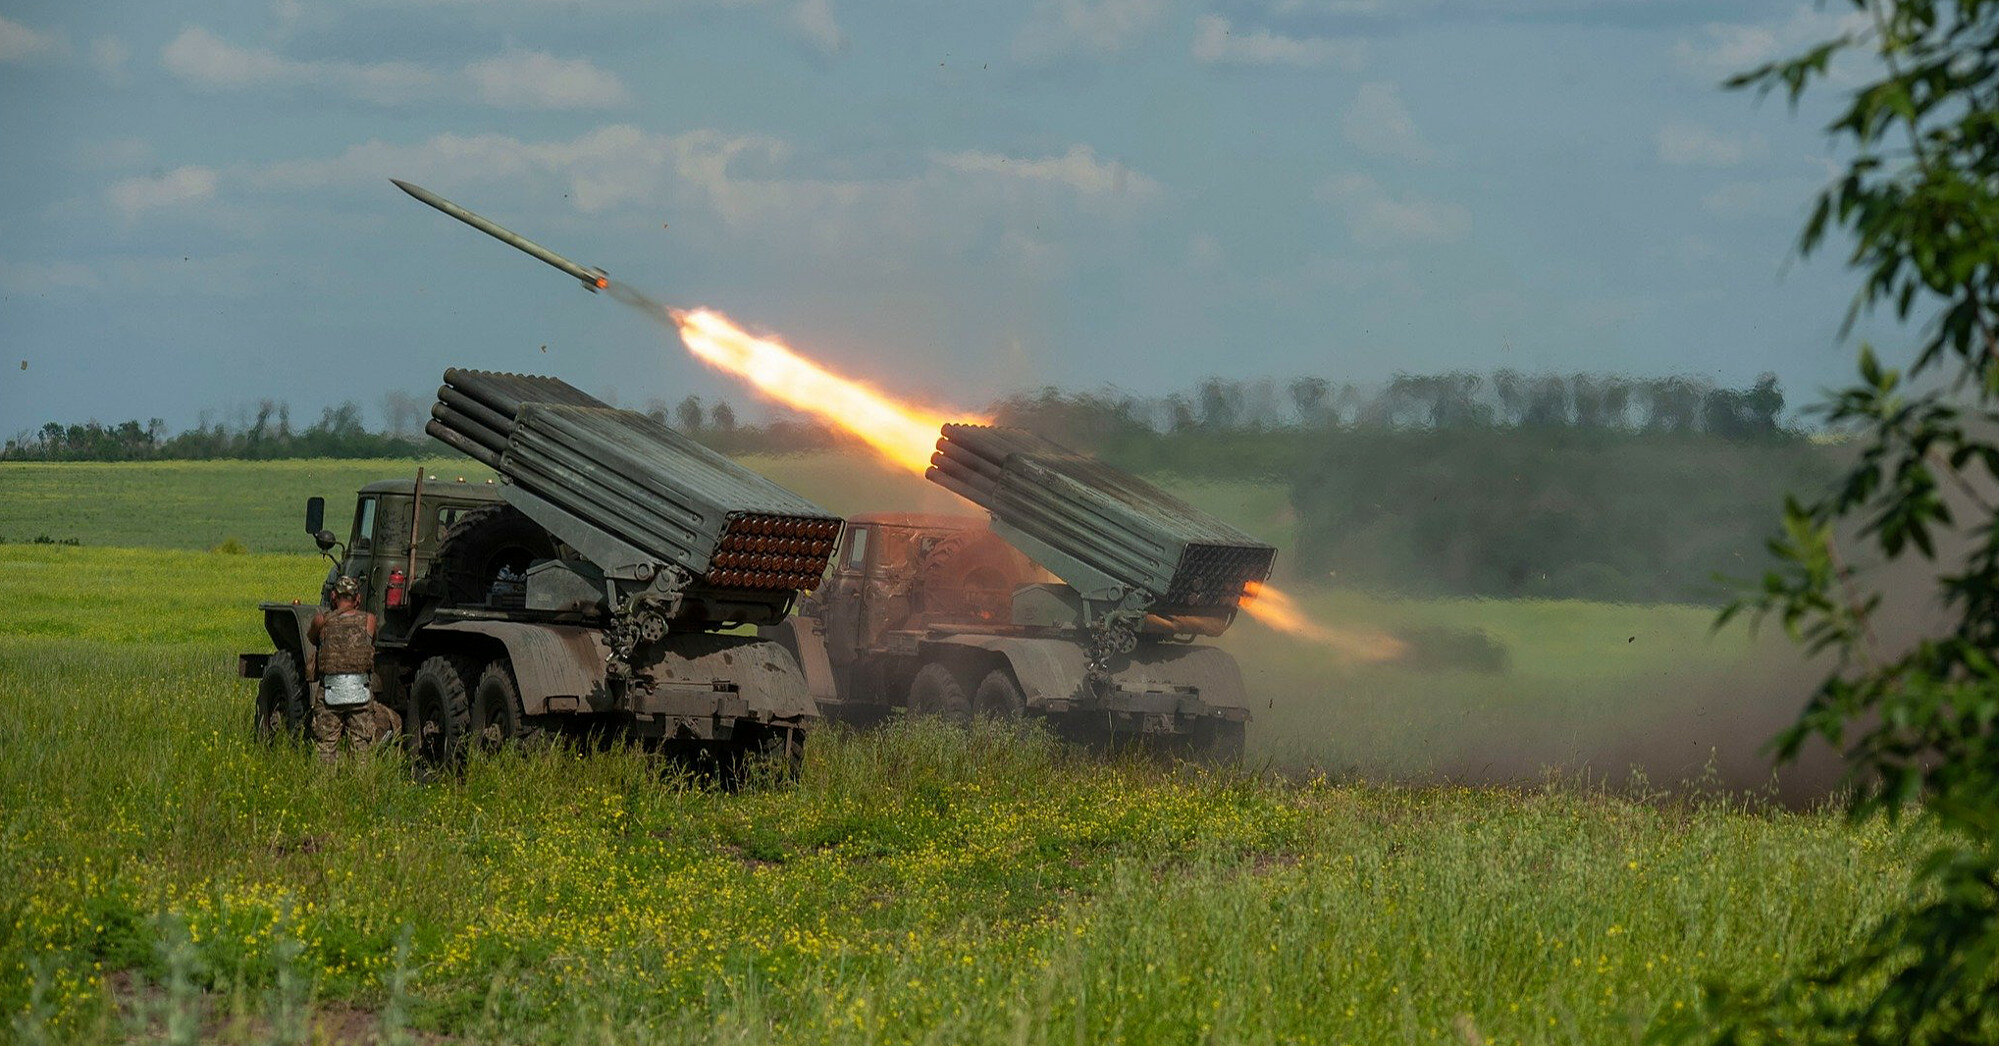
(170, 878)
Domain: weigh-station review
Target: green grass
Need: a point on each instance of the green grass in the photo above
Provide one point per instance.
(190, 504)
(914, 885)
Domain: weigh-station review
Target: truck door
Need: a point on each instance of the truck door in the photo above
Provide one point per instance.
(845, 598)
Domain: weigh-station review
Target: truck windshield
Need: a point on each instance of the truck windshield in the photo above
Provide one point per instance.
(857, 547)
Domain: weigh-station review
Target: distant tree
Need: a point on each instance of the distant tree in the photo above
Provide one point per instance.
(722, 417)
(1722, 414)
(1762, 404)
(1308, 398)
(1671, 404)
(1547, 402)
(689, 415)
(1221, 403)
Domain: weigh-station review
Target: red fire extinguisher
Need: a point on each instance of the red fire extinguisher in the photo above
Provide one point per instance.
(396, 593)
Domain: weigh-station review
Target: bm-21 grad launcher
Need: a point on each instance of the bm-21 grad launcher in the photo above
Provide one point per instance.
(1135, 558)
(1079, 601)
(592, 584)
(667, 533)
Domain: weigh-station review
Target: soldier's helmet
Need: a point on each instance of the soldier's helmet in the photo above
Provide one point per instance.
(347, 587)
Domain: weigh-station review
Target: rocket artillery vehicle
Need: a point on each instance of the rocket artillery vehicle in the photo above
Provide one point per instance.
(1078, 601)
(590, 584)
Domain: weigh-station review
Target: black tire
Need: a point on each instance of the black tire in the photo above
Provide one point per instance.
(937, 691)
(441, 711)
(282, 705)
(772, 753)
(999, 697)
(477, 547)
(498, 718)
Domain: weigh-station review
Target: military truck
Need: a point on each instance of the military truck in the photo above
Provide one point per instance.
(591, 583)
(1077, 600)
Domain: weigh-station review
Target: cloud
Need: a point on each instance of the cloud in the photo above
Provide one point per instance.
(109, 54)
(516, 80)
(1769, 198)
(1684, 144)
(1084, 27)
(1216, 42)
(19, 43)
(1723, 49)
(176, 188)
(534, 80)
(814, 20)
(1378, 124)
(1378, 217)
(754, 189)
(1078, 170)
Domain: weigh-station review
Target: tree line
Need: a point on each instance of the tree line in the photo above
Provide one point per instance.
(1087, 420)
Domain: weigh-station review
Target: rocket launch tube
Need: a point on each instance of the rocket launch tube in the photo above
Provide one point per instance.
(593, 278)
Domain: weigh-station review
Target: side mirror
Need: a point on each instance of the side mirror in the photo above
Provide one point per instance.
(325, 539)
(315, 517)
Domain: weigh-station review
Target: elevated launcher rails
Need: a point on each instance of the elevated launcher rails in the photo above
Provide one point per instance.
(671, 534)
(1139, 560)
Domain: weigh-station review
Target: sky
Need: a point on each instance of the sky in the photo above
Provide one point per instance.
(952, 201)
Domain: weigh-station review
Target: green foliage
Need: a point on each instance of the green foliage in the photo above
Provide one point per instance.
(1919, 725)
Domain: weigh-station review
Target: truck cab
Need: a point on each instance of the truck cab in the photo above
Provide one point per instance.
(396, 529)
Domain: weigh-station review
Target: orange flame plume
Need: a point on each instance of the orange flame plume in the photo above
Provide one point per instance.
(903, 433)
(1274, 608)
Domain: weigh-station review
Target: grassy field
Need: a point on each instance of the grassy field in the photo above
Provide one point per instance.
(200, 504)
(173, 879)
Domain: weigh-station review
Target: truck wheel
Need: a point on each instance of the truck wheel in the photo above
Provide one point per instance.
(999, 697)
(497, 716)
(281, 700)
(443, 711)
(938, 691)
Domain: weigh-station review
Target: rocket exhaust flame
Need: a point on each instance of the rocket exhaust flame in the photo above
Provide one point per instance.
(903, 433)
(1274, 608)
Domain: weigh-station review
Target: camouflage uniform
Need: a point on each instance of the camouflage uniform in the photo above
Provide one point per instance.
(346, 648)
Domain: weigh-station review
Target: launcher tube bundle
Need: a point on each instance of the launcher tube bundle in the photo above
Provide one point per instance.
(631, 495)
(1112, 536)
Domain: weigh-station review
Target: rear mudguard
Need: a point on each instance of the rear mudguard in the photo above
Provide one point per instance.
(798, 636)
(287, 624)
(561, 668)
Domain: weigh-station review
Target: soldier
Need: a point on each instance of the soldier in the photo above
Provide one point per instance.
(343, 705)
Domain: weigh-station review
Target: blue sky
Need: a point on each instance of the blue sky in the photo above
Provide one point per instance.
(952, 200)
